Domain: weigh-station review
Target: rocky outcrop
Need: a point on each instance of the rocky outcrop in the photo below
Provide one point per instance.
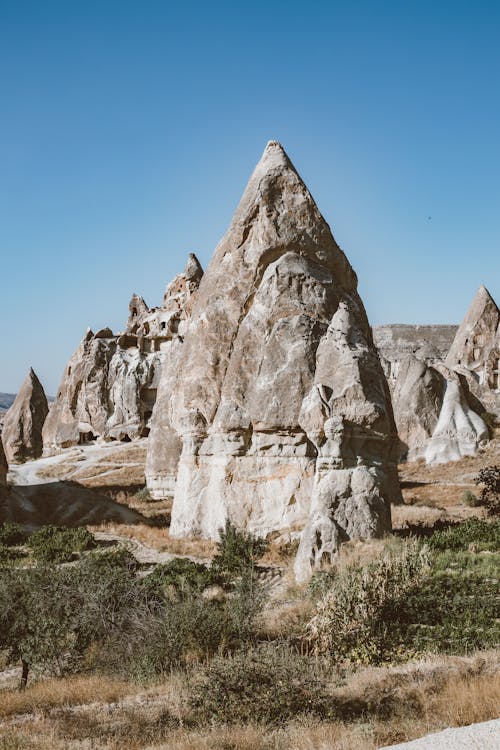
(417, 399)
(277, 413)
(460, 430)
(428, 343)
(436, 414)
(475, 350)
(23, 423)
(110, 384)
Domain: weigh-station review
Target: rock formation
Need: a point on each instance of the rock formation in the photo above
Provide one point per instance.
(277, 413)
(434, 413)
(3, 469)
(439, 396)
(23, 423)
(109, 387)
(475, 351)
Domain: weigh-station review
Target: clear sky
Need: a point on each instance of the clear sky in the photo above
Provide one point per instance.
(128, 131)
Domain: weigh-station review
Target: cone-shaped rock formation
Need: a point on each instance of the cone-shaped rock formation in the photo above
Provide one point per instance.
(22, 429)
(277, 413)
(476, 346)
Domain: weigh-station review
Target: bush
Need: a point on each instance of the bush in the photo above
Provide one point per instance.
(237, 551)
(11, 534)
(490, 493)
(186, 576)
(351, 618)
(144, 495)
(268, 684)
(484, 534)
(57, 544)
(470, 499)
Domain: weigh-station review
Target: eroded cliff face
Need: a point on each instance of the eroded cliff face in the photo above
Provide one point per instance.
(276, 413)
(110, 384)
(23, 423)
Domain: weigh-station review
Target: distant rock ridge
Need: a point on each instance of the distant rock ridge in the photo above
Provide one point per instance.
(275, 411)
(109, 386)
(23, 422)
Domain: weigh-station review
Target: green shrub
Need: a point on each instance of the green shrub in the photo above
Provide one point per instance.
(57, 544)
(351, 618)
(484, 534)
(268, 684)
(144, 495)
(454, 610)
(11, 534)
(237, 551)
(490, 493)
(185, 575)
(470, 499)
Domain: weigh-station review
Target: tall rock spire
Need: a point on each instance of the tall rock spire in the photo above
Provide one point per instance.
(22, 430)
(476, 346)
(278, 413)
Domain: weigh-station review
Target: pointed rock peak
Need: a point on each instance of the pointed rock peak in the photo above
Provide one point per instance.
(193, 270)
(33, 378)
(274, 158)
(484, 295)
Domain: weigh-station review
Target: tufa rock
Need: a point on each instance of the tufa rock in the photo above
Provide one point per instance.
(475, 350)
(277, 413)
(22, 428)
(436, 414)
(109, 387)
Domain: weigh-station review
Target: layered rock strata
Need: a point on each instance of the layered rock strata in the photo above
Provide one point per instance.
(110, 384)
(277, 413)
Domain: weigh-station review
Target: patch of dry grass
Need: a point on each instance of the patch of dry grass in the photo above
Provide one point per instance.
(69, 691)
(380, 706)
(160, 539)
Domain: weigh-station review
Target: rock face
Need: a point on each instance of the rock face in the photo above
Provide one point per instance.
(434, 412)
(475, 350)
(23, 423)
(110, 385)
(3, 469)
(428, 343)
(277, 413)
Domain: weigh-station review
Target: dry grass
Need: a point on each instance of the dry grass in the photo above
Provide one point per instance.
(160, 539)
(386, 705)
(58, 693)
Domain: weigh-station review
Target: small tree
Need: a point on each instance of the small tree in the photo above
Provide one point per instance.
(237, 551)
(490, 492)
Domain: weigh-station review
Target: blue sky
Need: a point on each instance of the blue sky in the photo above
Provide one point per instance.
(128, 131)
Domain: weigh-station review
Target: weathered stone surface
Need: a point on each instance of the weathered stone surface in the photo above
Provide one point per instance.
(277, 401)
(428, 343)
(436, 414)
(23, 423)
(476, 349)
(110, 384)
(460, 430)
